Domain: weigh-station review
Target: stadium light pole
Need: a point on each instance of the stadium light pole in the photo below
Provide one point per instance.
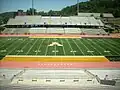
(32, 7)
(77, 6)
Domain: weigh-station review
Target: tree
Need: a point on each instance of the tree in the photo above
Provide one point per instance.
(29, 11)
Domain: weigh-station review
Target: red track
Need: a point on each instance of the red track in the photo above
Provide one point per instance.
(59, 65)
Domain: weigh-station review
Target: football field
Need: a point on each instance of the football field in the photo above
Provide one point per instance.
(59, 46)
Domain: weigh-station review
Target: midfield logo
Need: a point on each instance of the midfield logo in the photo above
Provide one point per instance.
(55, 43)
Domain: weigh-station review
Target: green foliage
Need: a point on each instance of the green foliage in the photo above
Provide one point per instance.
(95, 6)
(91, 6)
(29, 11)
(113, 58)
(1, 29)
(4, 17)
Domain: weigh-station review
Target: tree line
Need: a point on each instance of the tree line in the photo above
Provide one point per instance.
(91, 6)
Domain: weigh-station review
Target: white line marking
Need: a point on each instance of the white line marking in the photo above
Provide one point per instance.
(112, 45)
(85, 47)
(98, 45)
(94, 47)
(63, 47)
(114, 42)
(40, 46)
(47, 48)
(48, 56)
(3, 51)
(106, 51)
(5, 43)
(110, 48)
(78, 47)
(31, 47)
(90, 51)
(55, 50)
(70, 46)
(73, 51)
(15, 48)
(102, 47)
(24, 46)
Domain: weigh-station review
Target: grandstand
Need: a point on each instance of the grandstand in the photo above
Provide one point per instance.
(52, 20)
(54, 25)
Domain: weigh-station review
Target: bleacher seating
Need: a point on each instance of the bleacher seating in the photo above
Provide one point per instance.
(55, 30)
(8, 73)
(38, 30)
(56, 25)
(16, 30)
(93, 31)
(72, 30)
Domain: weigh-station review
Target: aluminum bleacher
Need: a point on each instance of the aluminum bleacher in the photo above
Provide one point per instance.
(72, 30)
(56, 74)
(16, 30)
(55, 25)
(55, 30)
(72, 20)
(93, 31)
(8, 73)
(37, 30)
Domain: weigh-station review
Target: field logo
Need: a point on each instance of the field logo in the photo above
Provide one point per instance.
(55, 43)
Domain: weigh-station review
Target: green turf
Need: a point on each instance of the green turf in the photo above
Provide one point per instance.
(71, 47)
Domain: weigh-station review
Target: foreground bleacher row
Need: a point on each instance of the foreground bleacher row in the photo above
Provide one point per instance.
(53, 31)
(57, 77)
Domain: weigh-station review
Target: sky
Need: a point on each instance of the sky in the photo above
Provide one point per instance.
(40, 5)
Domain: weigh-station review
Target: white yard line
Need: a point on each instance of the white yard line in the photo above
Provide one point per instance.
(40, 46)
(110, 48)
(31, 47)
(102, 48)
(5, 43)
(23, 47)
(47, 48)
(63, 47)
(112, 45)
(93, 47)
(86, 47)
(11, 45)
(78, 47)
(14, 48)
(114, 42)
(55, 50)
(70, 46)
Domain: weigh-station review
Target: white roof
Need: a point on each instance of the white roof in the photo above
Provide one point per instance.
(107, 15)
(89, 14)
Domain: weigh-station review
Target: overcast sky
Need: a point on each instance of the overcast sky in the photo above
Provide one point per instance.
(40, 5)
